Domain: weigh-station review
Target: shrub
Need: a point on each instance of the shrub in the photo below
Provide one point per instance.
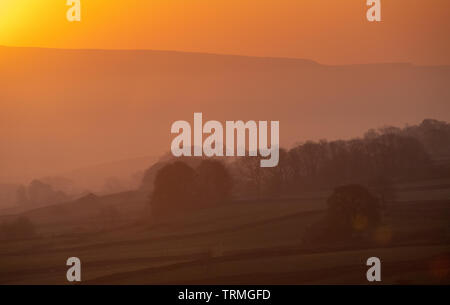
(352, 208)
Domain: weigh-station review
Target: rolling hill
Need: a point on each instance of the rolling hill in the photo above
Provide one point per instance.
(66, 109)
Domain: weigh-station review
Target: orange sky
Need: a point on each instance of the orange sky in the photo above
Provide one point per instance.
(328, 31)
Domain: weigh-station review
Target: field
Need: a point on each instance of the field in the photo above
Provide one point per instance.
(241, 243)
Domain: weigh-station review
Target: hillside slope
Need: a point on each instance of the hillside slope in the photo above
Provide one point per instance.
(65, 109)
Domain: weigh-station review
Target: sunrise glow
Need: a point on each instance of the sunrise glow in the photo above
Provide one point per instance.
(302, 29)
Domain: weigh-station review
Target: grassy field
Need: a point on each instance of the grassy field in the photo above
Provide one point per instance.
(243, 242)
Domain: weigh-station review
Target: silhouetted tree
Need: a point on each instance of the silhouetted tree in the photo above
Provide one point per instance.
(308, 158)
(434, 135)
(174, 189)
(149, 176)
(213, 182)
(250, 175)
(21, 195)
(62, 184)
(324, 164)
(352, 208)
(277, 180)
(40, 193)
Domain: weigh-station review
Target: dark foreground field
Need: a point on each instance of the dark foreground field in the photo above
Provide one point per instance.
(261, 242)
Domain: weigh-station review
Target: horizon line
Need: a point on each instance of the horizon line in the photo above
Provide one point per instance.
(312, 61)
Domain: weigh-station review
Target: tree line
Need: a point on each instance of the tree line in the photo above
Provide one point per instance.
(379, 159)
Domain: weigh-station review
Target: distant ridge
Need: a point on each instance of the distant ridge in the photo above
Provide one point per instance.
(165, 52)
(67, 108)
(212, 55)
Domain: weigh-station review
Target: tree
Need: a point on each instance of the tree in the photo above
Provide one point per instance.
(251, 175)
(307, 161)
(213, 181)
(173, 189)
(278, 179)
(352, 208)
(21, 195)
(40, 193)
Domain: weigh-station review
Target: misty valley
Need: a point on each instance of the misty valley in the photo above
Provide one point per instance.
(216, 220)
(121, 160)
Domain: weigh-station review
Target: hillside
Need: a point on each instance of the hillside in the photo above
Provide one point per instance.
(228, 244)
(66, 109)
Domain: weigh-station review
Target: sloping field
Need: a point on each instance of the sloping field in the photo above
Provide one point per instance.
(252, 242)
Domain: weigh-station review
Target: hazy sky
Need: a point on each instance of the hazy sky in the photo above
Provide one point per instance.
(328, 31)
(61, 110)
